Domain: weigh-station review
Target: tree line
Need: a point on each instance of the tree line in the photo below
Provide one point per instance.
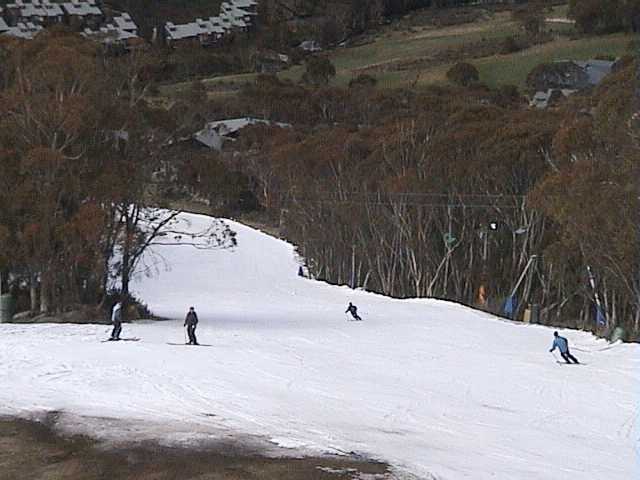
(80, 166)
(458, 193)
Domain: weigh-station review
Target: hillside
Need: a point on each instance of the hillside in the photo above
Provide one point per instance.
(417, 50)
(438, 390)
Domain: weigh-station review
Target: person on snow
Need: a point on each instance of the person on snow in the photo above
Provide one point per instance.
(116, 319)
(353, 310)
(563, 346)
(191, 321)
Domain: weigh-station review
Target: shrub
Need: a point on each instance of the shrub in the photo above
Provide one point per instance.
(510, 45)
(363, 81)
(463, 73)
(319, 71)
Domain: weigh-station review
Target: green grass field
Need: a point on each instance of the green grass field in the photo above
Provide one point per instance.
(513, 69)
(402, 56)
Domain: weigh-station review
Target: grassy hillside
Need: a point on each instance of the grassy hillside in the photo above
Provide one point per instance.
(406, 53)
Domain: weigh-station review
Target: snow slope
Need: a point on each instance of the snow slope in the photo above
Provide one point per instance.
(437, 389)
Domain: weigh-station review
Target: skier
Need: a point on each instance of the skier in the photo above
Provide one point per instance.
(563, 346)
(116, 319)
(191, 321)
(300, 271)
(353, 310)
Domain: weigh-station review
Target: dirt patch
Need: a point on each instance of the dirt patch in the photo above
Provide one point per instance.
(33, 451)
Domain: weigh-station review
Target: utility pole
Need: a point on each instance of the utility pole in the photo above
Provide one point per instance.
(353, 265)
(635, 131)
(482, 291)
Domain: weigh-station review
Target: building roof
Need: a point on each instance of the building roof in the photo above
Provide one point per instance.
(233, 11)
(231, 16)
(37, 8)
(542, 98)
(125, 22)
(25, 30)
(3, 25)
(244, 3)
(233, 21)
(193, 29)
(212, 131)
(52, 9)
(596, 69)
(81, 8)
(310, 46)
(109, 34)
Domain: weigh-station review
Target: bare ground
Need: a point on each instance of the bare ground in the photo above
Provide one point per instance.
(34, 451)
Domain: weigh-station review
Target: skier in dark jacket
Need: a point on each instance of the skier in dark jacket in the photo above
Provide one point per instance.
(563, 346)
(353, 310)
(191, 321)
(116, 319)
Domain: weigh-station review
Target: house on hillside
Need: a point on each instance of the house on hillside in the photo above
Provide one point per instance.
(267, 61)
(310, 46)
(549, 97)
(234, 16)
(3, 25)
(596, 70)
(554, 81)
(250, 6)
(215, 134)
(40, 12)
(120, 34)
(26, 31)
(81, 14)
(117, 40)
(125, 23)
(203, 32)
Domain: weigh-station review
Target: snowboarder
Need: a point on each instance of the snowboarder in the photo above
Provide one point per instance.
(116, 319)
(563, 346)
(353, 310)
(191, 321)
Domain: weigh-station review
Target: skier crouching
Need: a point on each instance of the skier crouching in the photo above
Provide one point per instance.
(563, 346)
(191, 321)
(353, 310)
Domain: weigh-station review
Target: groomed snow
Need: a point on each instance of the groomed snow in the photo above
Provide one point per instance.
(437, 389)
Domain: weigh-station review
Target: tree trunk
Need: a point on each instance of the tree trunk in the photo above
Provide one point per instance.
(33, 292)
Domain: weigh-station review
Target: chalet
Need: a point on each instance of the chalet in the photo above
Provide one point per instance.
(561, 79)
(41, 12)
(310, 46)
(3, 25)
(222, 22)
(271, 62)
(215, 134)
(114, 38)
(596, 70)
(239, 18)
(125, 23)
(549, 98)
(204, 32)
(250, 6)
(26, 31)
(53, 12)
(81, 14)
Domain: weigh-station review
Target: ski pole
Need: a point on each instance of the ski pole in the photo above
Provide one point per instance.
(554, 356)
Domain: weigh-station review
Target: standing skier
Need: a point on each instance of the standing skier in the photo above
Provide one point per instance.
(191, 321)
(563, 346)
(116, 319)
(353, 310)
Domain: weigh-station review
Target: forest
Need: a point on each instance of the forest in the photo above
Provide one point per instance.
(80, 170)
(455, 191)
(461, 193)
